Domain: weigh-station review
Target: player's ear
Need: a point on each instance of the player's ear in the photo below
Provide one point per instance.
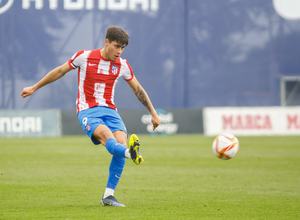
(106, 42)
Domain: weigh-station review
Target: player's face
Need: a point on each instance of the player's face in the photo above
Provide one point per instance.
(114, 50)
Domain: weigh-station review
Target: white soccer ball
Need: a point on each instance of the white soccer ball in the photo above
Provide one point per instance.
(225, 146)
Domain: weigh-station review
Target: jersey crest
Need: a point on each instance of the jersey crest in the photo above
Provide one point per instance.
(114, 69)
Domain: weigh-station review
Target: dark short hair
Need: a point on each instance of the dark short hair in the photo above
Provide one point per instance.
(118, 34)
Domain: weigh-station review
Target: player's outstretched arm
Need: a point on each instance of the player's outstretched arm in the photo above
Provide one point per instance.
(52, 76)
(145, 100)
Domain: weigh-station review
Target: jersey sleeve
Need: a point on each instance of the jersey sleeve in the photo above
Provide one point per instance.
(77, 59)
(126, 71)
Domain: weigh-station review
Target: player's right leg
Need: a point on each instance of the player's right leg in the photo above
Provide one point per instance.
(110, 201)
(115, 143)
(95, 128)
(115, 172)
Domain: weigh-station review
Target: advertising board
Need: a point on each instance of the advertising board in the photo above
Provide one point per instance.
(252, 120)
(30, 123)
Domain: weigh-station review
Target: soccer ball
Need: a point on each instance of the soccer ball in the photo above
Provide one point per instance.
(225, 146)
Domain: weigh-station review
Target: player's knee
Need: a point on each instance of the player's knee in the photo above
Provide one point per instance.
(121, 137)
(124, 143)
(102, 134)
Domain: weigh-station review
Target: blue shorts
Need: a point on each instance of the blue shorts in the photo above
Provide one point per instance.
(91, 118)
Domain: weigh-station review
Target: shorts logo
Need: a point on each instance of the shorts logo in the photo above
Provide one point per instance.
(88, 127)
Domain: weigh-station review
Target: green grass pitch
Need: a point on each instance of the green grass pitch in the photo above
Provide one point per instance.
(64, 178)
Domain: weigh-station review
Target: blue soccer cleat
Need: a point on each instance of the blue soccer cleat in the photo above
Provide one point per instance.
(110, 201)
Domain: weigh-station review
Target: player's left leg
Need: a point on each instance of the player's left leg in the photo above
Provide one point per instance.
(134, 149)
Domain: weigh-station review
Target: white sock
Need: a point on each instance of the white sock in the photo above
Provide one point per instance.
(127, 154)
(108, 192)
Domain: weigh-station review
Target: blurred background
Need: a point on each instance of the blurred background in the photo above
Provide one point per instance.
(187, 54)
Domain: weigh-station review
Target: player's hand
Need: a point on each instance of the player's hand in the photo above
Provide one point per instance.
(155, 121)
(27, 91)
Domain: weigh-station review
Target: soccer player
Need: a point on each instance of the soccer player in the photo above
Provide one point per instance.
(98, 73)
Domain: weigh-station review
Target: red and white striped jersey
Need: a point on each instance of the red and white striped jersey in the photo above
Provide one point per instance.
(97, 78)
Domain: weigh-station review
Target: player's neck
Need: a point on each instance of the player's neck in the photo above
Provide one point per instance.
(103, 54)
